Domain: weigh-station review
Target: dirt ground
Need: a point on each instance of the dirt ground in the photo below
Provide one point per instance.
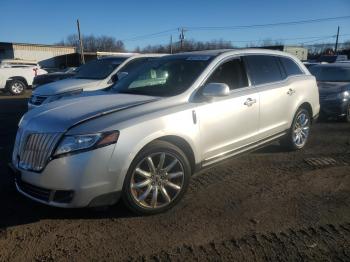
(270, 205)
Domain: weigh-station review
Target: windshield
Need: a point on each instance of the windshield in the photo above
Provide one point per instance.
(331, 74)
(164, 76)
(135, 63)
(98, 69)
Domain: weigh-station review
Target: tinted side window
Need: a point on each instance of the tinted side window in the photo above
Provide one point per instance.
(290, 66)
(231, 73)
(263, 69)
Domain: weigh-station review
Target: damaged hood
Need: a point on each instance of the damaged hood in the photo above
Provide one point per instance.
(59, 116)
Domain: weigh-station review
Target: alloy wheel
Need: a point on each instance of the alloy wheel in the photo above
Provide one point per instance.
(17, 88)
(347, 117)
(157, 180)
(301, 129)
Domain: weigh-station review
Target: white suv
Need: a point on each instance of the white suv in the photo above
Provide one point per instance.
(17, 75)
(175, 115)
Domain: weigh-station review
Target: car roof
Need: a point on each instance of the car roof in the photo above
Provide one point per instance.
(217, 52)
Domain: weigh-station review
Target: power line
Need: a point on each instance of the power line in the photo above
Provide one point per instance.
(211, 28)
(317, 38)
(270, 24)
(149, 35)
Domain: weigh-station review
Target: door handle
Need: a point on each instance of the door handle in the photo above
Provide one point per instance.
(249, 102)
(290, 91)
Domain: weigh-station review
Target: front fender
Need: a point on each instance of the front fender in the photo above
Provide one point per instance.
(134, 138)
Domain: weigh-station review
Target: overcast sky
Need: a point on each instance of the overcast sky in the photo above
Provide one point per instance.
(48, 22)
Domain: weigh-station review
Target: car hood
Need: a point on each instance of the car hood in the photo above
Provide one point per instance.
(53, 75)
(332, 87)
(63, 86)
(59, 116)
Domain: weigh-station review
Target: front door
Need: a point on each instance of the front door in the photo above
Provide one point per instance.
(231, 122)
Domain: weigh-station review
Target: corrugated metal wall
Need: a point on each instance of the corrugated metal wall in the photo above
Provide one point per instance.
(43, 54)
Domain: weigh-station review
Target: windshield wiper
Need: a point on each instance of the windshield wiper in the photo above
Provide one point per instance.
(129, 92)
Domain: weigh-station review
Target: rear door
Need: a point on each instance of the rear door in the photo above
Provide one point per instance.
(231, 122)
(268, 77)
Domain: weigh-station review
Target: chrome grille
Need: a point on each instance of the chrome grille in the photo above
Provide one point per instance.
(36, 150)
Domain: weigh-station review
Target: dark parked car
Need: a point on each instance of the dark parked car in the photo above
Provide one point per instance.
(53, 77)
(334, 88)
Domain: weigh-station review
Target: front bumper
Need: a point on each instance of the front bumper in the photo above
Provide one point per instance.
(73, 181)
(334, 108)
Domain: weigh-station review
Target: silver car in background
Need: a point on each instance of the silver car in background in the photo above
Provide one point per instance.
(94, 75)
(159, 125)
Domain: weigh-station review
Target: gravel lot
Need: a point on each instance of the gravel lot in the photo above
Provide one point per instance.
(263, 206)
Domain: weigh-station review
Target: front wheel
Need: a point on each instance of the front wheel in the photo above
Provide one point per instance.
(157, 179)
(299, 132)
(16, 87)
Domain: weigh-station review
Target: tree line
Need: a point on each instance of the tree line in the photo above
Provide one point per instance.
(93, 43)
(104, 43)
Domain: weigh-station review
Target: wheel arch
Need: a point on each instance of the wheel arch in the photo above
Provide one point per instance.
(20, 78)
(307, 106)
(183, 145)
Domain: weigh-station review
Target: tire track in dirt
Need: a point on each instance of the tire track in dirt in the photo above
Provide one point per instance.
(326, 242)
(232, 171)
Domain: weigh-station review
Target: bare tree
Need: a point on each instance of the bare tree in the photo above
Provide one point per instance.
(95, 43)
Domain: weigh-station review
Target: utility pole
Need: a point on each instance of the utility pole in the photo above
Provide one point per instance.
(336, 42)
(82, 59)
(171, 44)
(182, 37)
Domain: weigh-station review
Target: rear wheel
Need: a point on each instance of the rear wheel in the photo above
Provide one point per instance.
(347, 117)
(16, 87)
(157, 178)
(299, 131)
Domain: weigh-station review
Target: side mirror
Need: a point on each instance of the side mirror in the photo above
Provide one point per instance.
(122, 75)
(212, 90)
(117, 76)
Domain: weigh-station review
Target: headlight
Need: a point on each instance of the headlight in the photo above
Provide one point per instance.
(76, 143)
(345, 94)
(67, 94)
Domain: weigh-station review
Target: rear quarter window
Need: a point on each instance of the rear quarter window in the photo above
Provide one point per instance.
(263, 69)
(290, 67)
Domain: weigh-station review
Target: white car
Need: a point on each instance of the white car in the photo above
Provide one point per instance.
(143, 139)
(95, 75)
(17, 75)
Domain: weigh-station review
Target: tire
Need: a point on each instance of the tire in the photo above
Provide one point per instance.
(147, 192)
(299, 132)
(16, 87)
(346, 118)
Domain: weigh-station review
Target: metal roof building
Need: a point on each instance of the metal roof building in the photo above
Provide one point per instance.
(47, 55)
